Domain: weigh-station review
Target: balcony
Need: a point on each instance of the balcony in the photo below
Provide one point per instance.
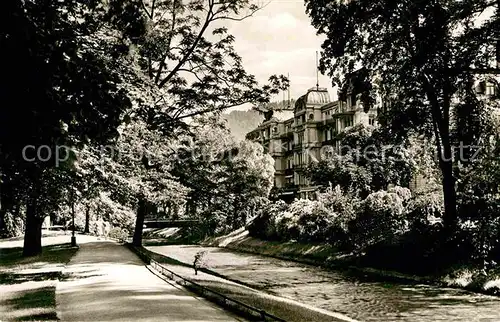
(287, 134)
(299, 127)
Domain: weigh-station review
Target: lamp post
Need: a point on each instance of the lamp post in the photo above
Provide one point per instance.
(73, 237)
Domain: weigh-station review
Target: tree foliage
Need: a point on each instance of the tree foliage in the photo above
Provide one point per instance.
(419, 54)
(186, 58)
(365, 163)
(66, 93)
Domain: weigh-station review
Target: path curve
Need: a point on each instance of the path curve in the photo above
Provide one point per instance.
(105, 281)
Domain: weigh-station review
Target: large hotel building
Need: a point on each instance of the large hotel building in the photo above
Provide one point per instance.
(296, 135)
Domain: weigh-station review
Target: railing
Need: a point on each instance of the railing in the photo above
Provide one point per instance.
(226, 301)
(164, 223)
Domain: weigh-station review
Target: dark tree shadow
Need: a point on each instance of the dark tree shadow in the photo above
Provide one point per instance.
(35, 299)
(51, 254)
(18, 278)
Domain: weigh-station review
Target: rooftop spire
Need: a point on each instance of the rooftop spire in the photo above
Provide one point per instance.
(317, 72)
(283, 101)
(288, 90)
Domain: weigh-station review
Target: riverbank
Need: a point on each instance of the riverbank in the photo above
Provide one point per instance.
(326, 256)
(349, 293)
(224, 290)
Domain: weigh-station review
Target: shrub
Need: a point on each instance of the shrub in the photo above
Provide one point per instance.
(118, 233)
(214, 223)
(313, 224)
(382, 217)
(264, 224)
(425, 210)
(341, 209)
(14, 225)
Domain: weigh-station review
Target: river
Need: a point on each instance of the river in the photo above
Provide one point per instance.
(356, 296)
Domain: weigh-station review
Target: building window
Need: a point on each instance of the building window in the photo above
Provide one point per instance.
(328, 134)
(348, 121)
(490, 89)
(371, 120)
(353, 101)
(300, 137)
(311, 117)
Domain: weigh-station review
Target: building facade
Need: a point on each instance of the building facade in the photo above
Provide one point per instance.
(298, 135)
(300, 138)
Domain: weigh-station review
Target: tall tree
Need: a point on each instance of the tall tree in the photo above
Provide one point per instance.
(65, 93)
(137, 171)
(183, 60)
(183, 49)
(421, 53)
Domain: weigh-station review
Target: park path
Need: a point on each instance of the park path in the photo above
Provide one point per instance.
(105, 281)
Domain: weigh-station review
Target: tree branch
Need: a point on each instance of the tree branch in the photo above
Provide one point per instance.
(191, 49)
(169, 43)
(190, 71)
(242, 18)
(146, 10)
(215, 109)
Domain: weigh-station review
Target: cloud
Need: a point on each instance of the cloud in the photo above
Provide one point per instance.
(279, 39)
(283, 20)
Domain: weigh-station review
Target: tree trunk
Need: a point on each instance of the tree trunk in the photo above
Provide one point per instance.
(139, 222)
(441, 124)
(87, 220)
(450, 218)
(33, 230)
(2, 210)
(175, 211)
(187, 209)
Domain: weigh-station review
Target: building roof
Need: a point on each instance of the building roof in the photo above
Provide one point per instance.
(330, 105)
(314, 95)
(317, 96)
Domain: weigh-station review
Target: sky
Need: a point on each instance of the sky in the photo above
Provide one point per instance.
(279, 39)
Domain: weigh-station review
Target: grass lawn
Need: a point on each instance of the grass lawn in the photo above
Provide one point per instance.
(27, 285)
